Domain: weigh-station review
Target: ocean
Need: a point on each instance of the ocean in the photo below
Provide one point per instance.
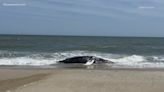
(40, 51)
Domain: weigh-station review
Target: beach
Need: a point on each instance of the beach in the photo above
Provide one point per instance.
(81, 80)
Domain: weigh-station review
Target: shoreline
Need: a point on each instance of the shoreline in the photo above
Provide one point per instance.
(78, 80)
(80, 68)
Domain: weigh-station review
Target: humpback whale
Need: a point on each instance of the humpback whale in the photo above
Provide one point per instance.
(87, 60)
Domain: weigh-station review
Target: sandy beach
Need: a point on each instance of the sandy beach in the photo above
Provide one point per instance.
(80, 80)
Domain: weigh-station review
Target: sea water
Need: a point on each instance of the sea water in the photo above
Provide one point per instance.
(34, 50)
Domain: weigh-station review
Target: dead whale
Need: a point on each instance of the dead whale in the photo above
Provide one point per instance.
(88, 60)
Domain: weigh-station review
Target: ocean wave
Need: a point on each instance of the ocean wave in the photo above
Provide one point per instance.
(26, 61)
(42, 59)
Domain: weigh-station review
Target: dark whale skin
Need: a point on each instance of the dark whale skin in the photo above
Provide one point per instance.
(84, 59)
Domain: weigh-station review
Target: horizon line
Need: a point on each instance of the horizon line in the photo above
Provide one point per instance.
(80, 35)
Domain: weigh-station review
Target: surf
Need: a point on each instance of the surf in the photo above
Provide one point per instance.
(48, 59)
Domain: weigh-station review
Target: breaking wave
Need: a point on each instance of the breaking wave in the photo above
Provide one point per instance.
(43, 59)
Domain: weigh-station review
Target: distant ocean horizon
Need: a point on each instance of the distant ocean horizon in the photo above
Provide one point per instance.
(81, 35)
(45, 50)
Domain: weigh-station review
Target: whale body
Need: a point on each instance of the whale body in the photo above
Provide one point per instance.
(85, 60)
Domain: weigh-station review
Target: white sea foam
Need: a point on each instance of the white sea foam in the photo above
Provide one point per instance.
(26, 61)
(139, 61)
(42, 59)
(129, 60)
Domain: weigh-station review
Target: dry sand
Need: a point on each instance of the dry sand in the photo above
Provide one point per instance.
(78, 80)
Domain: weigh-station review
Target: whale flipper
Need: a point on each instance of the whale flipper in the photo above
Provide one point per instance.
(89, 62)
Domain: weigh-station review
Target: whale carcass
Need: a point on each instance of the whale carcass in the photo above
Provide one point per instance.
(85, 60)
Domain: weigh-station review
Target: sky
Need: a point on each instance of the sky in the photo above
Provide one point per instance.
(83, 17)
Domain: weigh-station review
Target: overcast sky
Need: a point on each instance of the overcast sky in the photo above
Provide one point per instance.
(83, 17)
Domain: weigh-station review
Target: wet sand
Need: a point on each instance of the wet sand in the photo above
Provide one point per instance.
(11, 79)
(80, 80)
